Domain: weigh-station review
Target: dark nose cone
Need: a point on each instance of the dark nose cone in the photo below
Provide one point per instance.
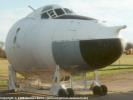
(100, 53)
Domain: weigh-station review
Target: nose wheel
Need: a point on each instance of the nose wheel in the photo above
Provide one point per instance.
(104, 89)
(62, 93)
(100, 90)
(66, 92)
(70, 92)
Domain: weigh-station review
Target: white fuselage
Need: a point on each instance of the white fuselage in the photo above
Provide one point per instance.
(33, 46)
(29, 42)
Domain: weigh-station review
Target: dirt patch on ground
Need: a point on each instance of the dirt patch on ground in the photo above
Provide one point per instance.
(122, 82)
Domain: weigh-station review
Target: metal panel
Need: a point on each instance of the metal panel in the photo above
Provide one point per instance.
(67, 53)
(101, 52)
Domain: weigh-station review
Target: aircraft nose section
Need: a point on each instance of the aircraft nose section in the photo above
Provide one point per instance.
(101, 53)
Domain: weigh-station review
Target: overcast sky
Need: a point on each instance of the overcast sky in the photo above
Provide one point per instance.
(114, 12)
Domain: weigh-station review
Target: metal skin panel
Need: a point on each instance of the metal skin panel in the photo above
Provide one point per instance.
(67, 53)
(33, 48)
(110, 50)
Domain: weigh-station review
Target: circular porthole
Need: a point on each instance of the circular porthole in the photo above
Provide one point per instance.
(18, 29)
(15, 37)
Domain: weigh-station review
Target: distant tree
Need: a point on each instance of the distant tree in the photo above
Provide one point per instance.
(1, 44)
(129, 46)
(2, 52)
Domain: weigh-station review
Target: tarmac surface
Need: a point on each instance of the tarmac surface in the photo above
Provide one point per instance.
(113, 96)
(110, 96)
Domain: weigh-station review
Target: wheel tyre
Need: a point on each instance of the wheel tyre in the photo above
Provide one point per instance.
(12, 91)
(70, 92)
(62, 93)
(97, 90)
(104, 89)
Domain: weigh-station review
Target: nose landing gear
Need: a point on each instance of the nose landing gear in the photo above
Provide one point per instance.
(97, 88)
(60, 90)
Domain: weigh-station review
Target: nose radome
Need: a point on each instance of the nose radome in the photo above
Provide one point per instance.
(101, 52)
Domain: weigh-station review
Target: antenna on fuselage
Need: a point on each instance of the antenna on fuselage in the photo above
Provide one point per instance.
(31, 8)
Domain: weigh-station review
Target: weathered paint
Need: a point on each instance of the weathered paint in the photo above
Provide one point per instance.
(100, 53)
(67, 53)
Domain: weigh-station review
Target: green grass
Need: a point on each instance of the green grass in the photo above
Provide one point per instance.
(3, 73)
(3, 67)
(3, 83)
(122, 65)
(104, 73)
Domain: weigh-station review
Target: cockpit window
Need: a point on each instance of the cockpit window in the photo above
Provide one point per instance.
(44, 15)
(52, 13)
(55, 13)
(68, 11)
(59, 11)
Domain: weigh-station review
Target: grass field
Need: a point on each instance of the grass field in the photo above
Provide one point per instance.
(123, 65)
(3, 73)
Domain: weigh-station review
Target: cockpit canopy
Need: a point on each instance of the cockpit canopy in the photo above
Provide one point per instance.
(54, 12)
